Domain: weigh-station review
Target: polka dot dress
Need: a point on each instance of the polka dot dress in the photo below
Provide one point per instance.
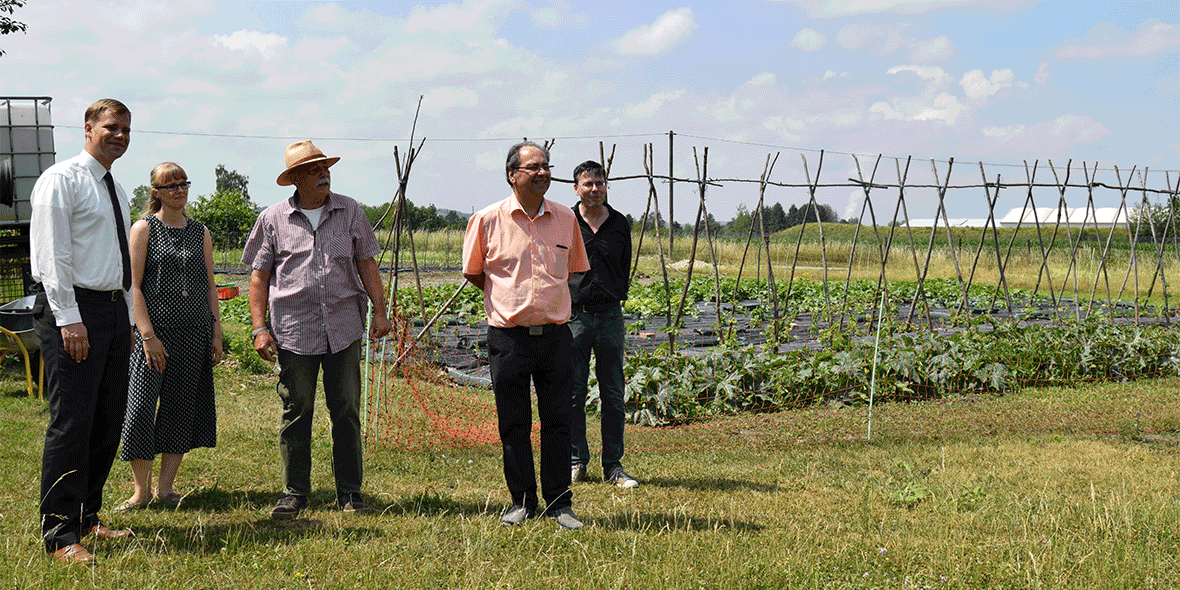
(173, 411)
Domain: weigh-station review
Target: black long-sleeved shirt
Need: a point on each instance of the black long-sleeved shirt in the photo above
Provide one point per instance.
(609, 250)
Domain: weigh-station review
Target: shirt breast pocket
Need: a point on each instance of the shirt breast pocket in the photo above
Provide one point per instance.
(341, 248)
(556, 260)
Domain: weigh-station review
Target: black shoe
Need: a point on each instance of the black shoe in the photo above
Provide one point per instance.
(620, 478)
(352, 502)
(288, 507)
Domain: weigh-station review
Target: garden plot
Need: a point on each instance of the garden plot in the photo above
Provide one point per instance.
(461, 348)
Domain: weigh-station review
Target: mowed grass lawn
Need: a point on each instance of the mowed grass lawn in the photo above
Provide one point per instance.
(1048, 509)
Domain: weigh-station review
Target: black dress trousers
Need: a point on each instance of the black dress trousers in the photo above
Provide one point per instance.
(87, 401)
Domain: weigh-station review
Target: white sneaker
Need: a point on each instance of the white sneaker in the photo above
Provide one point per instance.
(578, 473)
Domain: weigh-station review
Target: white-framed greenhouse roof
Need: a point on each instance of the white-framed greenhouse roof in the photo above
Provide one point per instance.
(1089, 216)
(953, 221)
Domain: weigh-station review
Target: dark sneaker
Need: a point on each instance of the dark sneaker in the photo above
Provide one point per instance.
(516, 515)
(565, 518)
(352, 502)
(578, 473)
(288, 507)
(620, 478)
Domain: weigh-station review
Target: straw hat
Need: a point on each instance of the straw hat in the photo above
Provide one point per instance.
(300, 153)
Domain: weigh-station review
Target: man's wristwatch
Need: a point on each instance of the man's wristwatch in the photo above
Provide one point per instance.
(258, 331)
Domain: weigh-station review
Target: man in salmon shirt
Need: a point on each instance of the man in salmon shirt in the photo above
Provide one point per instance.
(521, 252)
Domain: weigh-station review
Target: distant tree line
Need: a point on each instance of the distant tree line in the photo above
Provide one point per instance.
(774, 217)
(416, 218)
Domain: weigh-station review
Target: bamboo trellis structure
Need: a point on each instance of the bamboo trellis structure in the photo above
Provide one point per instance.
(1056, 233)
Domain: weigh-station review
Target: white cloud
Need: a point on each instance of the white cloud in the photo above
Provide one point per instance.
(809, 40)
(653, 104)
(441, 99)
(523, 126)
(144, 14)
(945, 107)
(1078, 128)
(1061, 134)
(491, 161)
(937, 77)
(1042, 73)
(761, 79)
(855, 204)
(828, 75)
(783, 124)
(338, 19)
(841, 8)
(976, 85)
(192, 85)
(884, 39)
(1003, 134)
(265, 43)
(558, 14)
(724, 111)
(473, 19)
(886, 111)
(1153, 36)
(667, 32)
(931, 50)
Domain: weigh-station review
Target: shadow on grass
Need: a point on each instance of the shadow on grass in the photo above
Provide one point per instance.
(215, 537)
(710, 484)
(216, 500)
(655, 522)
(429, 504)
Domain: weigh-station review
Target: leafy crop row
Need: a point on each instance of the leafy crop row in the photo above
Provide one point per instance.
(808, 295)
(664, 389)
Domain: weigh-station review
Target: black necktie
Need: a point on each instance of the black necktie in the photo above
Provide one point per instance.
(110, 180)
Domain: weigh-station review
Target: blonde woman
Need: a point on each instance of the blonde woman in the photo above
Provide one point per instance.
(170, 407)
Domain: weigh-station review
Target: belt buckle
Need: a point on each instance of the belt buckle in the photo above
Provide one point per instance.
(536, 330)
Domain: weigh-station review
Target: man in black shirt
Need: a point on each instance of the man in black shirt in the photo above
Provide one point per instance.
(597, 324)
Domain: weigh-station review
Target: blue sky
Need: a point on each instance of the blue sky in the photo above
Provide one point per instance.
(997, 81)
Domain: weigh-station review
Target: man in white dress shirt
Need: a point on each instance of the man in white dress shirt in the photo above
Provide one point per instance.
(82, 317)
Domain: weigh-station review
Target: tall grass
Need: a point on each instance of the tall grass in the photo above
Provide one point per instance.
(1045, 509)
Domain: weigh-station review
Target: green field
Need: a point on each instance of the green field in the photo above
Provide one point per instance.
(948, 506)
(1043, 488)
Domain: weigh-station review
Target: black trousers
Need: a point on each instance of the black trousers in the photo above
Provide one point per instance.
(87, 401)
(547, 360)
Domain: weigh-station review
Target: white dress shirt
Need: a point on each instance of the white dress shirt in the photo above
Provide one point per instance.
(74, 242)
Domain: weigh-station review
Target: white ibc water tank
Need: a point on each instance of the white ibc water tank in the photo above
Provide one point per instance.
(26, 150)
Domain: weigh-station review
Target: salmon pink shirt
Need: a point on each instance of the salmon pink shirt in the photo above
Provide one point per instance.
(527, 262)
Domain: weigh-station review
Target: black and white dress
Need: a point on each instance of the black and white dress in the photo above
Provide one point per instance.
(175, 285)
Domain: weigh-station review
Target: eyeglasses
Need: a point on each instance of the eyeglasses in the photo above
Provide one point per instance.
(535, 169)
(314, 169)
(172, 187)
(596, 185)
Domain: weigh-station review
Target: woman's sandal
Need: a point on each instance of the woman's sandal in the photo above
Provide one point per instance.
(128, 505)
(170, 499)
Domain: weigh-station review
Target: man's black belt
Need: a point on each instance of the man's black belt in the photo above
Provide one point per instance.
(533, 330)
(92, 295)
(83, 293)
(598, 307)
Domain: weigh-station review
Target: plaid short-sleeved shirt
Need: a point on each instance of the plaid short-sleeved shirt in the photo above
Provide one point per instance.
(317, 303)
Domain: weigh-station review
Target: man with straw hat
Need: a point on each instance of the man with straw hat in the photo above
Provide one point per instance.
(313, 260)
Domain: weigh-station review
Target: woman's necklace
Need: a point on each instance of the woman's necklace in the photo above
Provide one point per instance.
(176, 236)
